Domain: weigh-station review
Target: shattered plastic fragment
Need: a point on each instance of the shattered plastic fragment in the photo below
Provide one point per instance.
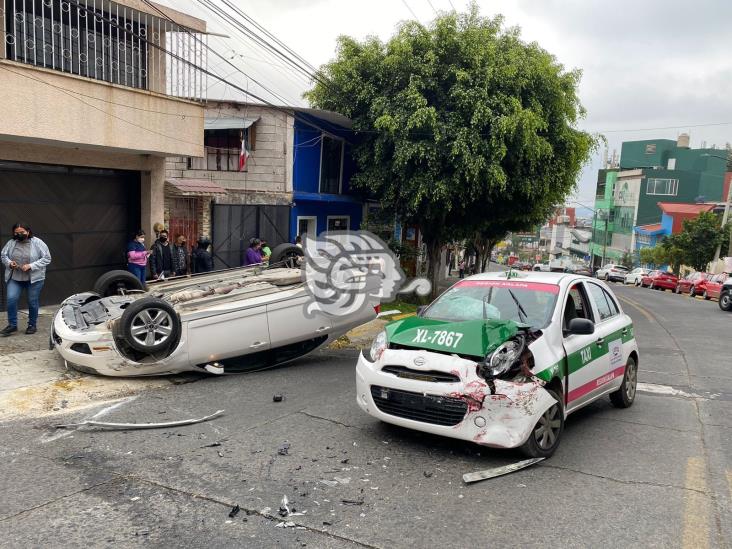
(141, 425)
(283, 450)
(499, 471)
(234, 511)
(277, 398)
(284, 510)
(352, 501)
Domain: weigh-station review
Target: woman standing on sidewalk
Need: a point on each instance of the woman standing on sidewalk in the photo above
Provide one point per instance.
(137, 256)
(25, 258)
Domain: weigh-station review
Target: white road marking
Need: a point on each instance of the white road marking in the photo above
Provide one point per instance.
(671, 391)
(103, 412)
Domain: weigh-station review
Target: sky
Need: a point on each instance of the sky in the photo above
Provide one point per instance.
(651, 69)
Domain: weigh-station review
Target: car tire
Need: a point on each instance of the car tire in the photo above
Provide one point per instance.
(725, 300)
(117, 282)
(535, 445)
(637, 282)
(150, 325)
(677, 289)
(625, 395)
(286, 254)
(692, 291)
(706, 296)
(651, 286)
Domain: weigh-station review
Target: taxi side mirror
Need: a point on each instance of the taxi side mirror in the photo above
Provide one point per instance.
(580, 326)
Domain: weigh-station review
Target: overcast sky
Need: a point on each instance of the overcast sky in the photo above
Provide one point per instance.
(646, 64)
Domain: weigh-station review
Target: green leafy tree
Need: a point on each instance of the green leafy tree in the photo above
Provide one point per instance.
(699, 240)
(627, 260)
(647, 256)
(457, 122)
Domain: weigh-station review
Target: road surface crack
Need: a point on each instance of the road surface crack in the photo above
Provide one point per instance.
(665, 428)
(248, 511)
(335, 421)
(629, 482)
(60, 498)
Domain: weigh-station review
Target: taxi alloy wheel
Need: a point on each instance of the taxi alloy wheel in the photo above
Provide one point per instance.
(706, 296)
(546, 434)
(625, 395)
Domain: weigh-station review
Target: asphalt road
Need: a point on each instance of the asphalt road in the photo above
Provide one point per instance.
(656, 475)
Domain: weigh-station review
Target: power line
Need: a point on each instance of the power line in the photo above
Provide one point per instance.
(433, 7)
(410, 10)
(452, 5)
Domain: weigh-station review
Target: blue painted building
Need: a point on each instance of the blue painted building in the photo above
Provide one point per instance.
(322, 169)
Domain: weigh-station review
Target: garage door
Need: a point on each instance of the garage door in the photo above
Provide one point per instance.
(86, 216)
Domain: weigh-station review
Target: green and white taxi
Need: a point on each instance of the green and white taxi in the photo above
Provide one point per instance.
(501, 359)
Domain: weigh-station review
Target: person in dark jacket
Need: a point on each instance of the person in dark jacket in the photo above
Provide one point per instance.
(201, 260)
(137, 255)
(161, 258)
(25, 258)
(181, 264)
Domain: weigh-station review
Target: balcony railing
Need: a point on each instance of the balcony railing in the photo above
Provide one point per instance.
(105, 41)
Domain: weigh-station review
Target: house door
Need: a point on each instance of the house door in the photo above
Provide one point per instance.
(307, 225)
(184, 219)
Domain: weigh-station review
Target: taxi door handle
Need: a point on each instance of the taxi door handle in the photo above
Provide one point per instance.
(322, 329)
(600, 342)
(257, 344)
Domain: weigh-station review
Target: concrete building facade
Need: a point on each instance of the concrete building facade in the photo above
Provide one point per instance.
(92, 104)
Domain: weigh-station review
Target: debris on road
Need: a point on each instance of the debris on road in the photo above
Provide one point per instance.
(108, 425)
(427, 474)
(284, 449)
(352, 501)
(284, 510)
(499, 471)
(277, 397)
(234, 511)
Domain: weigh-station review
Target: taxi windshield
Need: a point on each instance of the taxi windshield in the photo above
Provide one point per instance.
(527, 303)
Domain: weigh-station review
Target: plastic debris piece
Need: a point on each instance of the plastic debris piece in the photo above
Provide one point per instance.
(284, 449)
(277, 397)
(284, 510)
(234, 511)
(352, 501)
(330, 483)
(141, 425)
(342, 480)
(427, 474)
(499, 471)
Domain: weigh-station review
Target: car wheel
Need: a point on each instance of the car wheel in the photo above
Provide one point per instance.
(625, 396)
(677, 289)
(692, 291)
(725, 301)
(637, 282)
(545, 436)
(116, 283)
(287, 254)
(706, 296)
(651, 286)
(607, 278)
(150, 325)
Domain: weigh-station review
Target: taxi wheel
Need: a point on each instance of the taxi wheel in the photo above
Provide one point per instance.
(625, 396)
(725, 300)
(546, 434)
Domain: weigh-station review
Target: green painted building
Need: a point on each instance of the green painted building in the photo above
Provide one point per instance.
(650, 171)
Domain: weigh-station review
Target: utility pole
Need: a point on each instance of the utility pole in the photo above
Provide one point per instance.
(725, 216)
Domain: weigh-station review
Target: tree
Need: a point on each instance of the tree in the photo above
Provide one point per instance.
(699, 240)
(627, 260)
(457, 122)
(647, 256)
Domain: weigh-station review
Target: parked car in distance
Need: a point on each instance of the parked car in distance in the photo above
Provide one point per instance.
(725, 296)
(634, 276)
(544, 267)
(612, 273)
(693, 284)
(713, 286)
(660, 280)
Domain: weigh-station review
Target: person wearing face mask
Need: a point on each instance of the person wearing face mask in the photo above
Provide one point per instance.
(161, 258)
(201, 260)
(181, 261)
(25, 258)
(137, 255)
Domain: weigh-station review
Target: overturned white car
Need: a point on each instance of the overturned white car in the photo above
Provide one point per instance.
(222, 322)
(502, 359)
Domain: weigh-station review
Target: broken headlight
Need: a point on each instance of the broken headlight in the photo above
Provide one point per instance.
(378, 346)
(503, 358)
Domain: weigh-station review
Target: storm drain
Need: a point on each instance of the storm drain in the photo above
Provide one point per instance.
(434, 409)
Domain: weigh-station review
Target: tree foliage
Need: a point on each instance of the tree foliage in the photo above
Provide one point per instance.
(459, 124)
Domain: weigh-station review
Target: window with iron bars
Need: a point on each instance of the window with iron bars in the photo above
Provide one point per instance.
(79, 38)
(222, 150)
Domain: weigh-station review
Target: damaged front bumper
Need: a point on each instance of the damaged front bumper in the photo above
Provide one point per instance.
(443, 395)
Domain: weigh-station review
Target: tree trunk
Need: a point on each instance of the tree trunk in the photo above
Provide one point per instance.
(433, 264)
(488, 252)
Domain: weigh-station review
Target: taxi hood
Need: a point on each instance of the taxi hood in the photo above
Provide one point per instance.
(470, 337)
